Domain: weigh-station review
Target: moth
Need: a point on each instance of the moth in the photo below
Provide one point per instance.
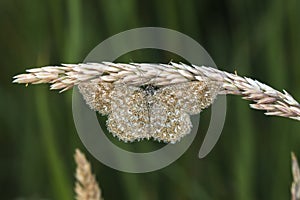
(161, 113)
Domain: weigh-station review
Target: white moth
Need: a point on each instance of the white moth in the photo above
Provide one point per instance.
(136, 113)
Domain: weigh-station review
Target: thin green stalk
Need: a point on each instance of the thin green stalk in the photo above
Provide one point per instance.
(244, 149)
(61, 185)
(277, 70)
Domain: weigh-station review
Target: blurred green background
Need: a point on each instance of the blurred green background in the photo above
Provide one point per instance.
(260, 39)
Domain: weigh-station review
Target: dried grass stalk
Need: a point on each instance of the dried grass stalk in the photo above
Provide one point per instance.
(86, 186)
(295, 189)
(68, 75)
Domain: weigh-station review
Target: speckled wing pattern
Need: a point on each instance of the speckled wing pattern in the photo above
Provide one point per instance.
(163, 114)
(129, 118)
(97, 95)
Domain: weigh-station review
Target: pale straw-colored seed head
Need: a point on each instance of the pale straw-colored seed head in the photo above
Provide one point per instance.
(86, 186)
(65, 77)
(295, 188)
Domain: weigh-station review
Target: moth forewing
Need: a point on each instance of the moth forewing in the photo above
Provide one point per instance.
(97, 95)
(169, 122)
(129, 118)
